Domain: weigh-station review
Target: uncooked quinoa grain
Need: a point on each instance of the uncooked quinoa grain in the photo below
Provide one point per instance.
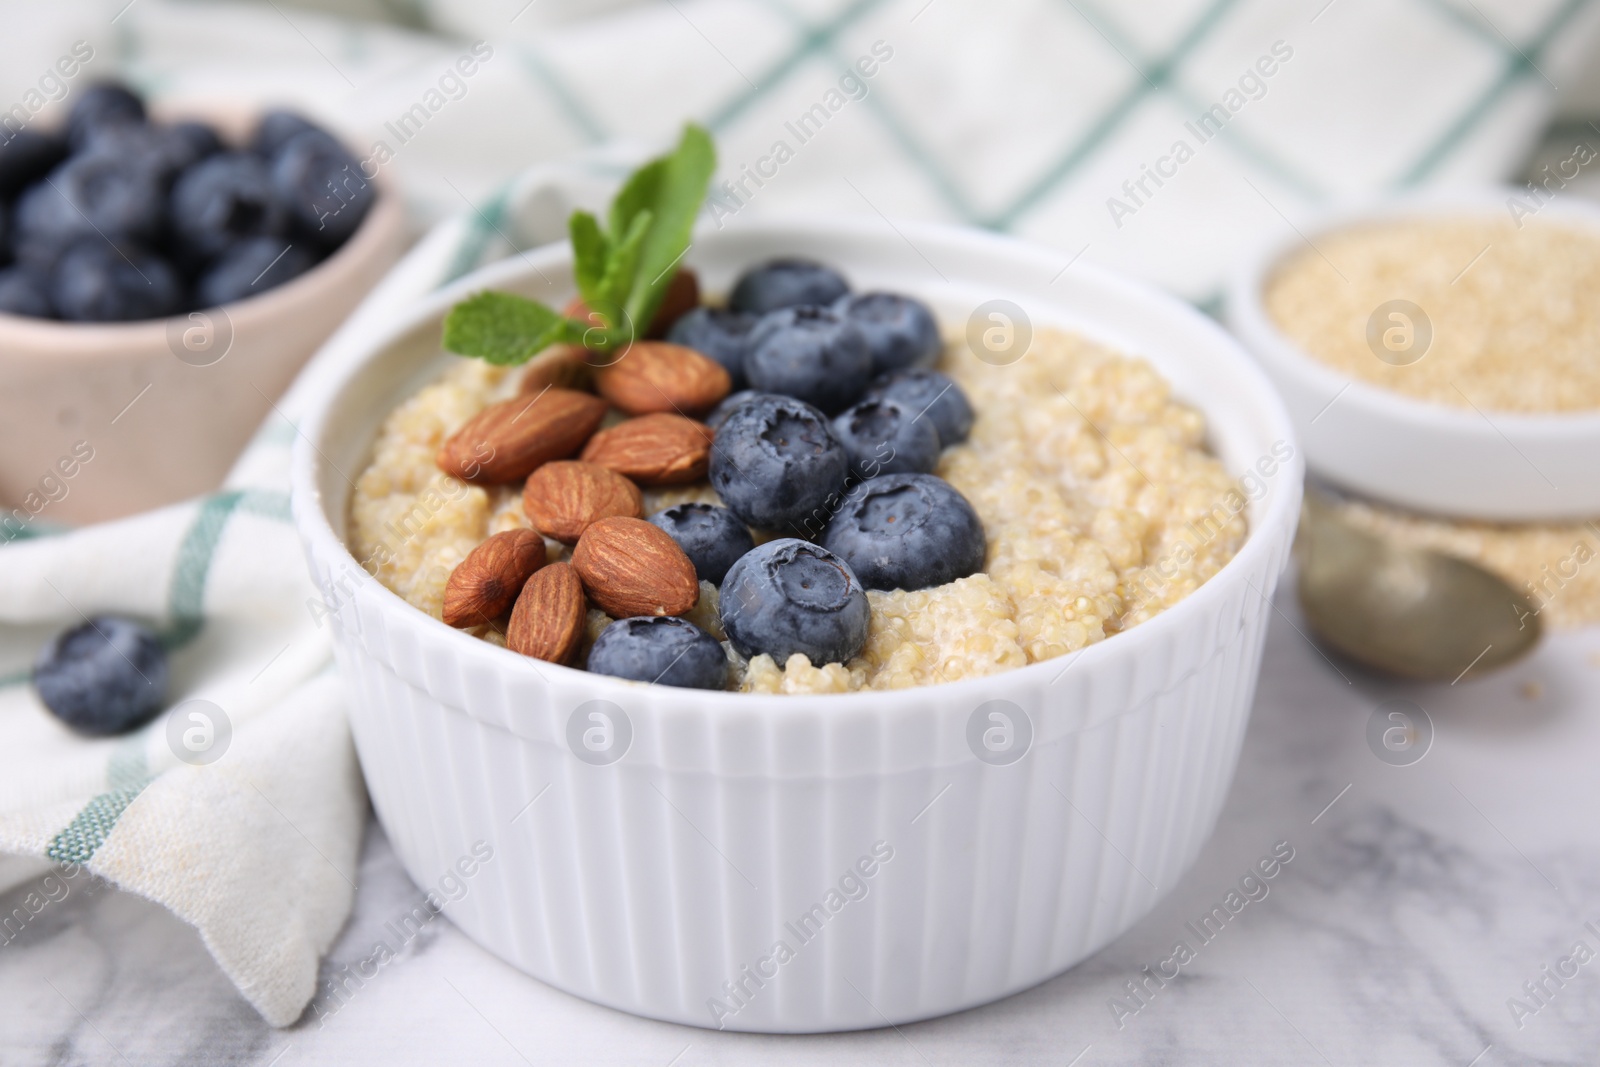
(1515, 313)
(1100, 503)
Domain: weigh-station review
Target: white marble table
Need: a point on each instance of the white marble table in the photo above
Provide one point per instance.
(1419, 899)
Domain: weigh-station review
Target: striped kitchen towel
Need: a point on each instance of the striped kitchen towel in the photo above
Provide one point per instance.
(1159, 137)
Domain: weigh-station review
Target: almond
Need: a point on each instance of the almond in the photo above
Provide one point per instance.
(653, 376)
(562, 498)
(654, 449)
(630, 567)
(505, 442)
(565, 366)
(483, 586)
(548, 621)
(682, 296)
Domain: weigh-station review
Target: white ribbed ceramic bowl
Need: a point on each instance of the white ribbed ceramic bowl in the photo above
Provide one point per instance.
(1492, 465)
(650, 882)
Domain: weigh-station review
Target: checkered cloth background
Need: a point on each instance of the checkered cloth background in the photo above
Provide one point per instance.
(1058, 120)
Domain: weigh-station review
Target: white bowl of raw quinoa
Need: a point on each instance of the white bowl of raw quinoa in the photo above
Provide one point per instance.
(1438, 351)
(1010, 773)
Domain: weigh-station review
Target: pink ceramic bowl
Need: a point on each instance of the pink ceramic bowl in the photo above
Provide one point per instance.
(106, 420)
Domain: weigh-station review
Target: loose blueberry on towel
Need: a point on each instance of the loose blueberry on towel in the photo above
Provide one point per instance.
(104, 677)
(712, 537)
(793, 596)
(931, 392)
(885, 437)
(250, 267)
(719, 333)
(100, 282)
(907, 531)
(662, 649)
(900, 331)
(775, 462)
(782, 283)
(323, 187)
(101, 107)
(812, 353)
(223, 200)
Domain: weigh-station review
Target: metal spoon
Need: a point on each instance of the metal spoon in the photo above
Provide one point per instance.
(1410, 612)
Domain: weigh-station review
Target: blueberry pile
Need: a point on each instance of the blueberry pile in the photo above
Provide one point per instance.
(115, 218)
(829, 443)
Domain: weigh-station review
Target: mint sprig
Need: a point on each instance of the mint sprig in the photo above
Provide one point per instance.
(622, 270)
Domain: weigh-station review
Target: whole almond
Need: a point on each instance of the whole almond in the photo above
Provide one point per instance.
(548, 621)
(484, 585)
(562, 498)
(654, 449)
(653, 376)
(682, 296)
(505, 442)
(564, 366)
(630, 567)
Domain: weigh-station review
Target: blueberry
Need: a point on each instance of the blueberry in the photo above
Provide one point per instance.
(252, 266)
(97, 281)
(712, 537)
(163, 151)
(91, 195)
(731, 403)
(782, 283)
(901, 332)
(222, 200)
(275, 129)
(100, 107)
(716, 332)
(323, 186)
(104, 677)
(195, 139)
(25, 157)
(811, 353)
(775, 462)
(885, 437)
(22, 294)
(907, 531)
(928, 391)
(793, 596)
(662, 649)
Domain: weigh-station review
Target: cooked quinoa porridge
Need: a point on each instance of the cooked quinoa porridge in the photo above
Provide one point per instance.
(1099, 501)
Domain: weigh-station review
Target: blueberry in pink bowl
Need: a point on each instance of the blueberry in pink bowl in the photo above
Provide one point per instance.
(174, 201)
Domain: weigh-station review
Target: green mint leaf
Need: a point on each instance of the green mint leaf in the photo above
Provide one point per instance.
(503, 328)
(639, 193)
(591, 255)
(680, 188)
(621, 268)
